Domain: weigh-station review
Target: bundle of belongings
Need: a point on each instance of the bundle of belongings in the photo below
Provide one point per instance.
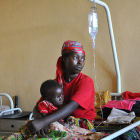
(120, 117)
(59, 131)
(123, 112)
(130, 104)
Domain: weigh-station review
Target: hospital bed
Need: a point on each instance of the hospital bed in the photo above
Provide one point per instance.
(12, 110)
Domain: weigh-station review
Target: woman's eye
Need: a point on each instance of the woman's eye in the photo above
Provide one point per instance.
(82, 59)
(74, 57)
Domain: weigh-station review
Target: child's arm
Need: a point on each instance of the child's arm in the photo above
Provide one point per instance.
(36, 113)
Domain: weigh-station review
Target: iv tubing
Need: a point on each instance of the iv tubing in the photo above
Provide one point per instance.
(113, 46)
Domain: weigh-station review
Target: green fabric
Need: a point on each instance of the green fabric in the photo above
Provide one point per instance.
(54, 135)
(57, 134)
(43, 139)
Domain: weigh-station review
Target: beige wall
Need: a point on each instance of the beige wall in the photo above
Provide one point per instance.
(33, 31)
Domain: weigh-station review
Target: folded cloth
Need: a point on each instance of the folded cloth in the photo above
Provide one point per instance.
(120, 104)
(130, 95)
(119, 116)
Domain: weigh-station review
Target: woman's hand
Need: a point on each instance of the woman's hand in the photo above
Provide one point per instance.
(36, 127)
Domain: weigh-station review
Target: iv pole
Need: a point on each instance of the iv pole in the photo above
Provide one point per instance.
(118, 133)
(113, 46)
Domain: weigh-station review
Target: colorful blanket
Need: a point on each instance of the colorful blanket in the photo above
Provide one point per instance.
(58, 131)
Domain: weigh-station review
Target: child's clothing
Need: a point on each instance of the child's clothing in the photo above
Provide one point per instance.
(45, 106)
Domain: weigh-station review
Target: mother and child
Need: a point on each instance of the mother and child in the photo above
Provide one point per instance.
(72, 93)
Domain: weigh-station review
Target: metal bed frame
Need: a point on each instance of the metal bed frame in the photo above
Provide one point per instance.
(12, 109)
(120, 132)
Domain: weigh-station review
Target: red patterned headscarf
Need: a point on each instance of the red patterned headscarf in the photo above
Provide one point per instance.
(67, 47)
(72, 46)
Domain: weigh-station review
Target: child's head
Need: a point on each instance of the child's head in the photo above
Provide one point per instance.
(51, 91)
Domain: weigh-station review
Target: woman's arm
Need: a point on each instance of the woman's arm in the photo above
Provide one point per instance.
(38, 124)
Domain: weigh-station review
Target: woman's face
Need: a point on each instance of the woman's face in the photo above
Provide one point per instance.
(74, 62)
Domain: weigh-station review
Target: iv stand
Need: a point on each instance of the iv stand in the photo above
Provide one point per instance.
(113, 45)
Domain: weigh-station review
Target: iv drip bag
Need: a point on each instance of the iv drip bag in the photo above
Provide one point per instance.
(93, 24)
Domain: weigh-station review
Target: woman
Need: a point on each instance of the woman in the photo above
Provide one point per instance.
(78, 90)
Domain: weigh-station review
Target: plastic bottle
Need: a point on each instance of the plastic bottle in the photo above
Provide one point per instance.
(93, 24)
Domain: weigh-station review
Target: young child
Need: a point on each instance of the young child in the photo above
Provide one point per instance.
(51, 97)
